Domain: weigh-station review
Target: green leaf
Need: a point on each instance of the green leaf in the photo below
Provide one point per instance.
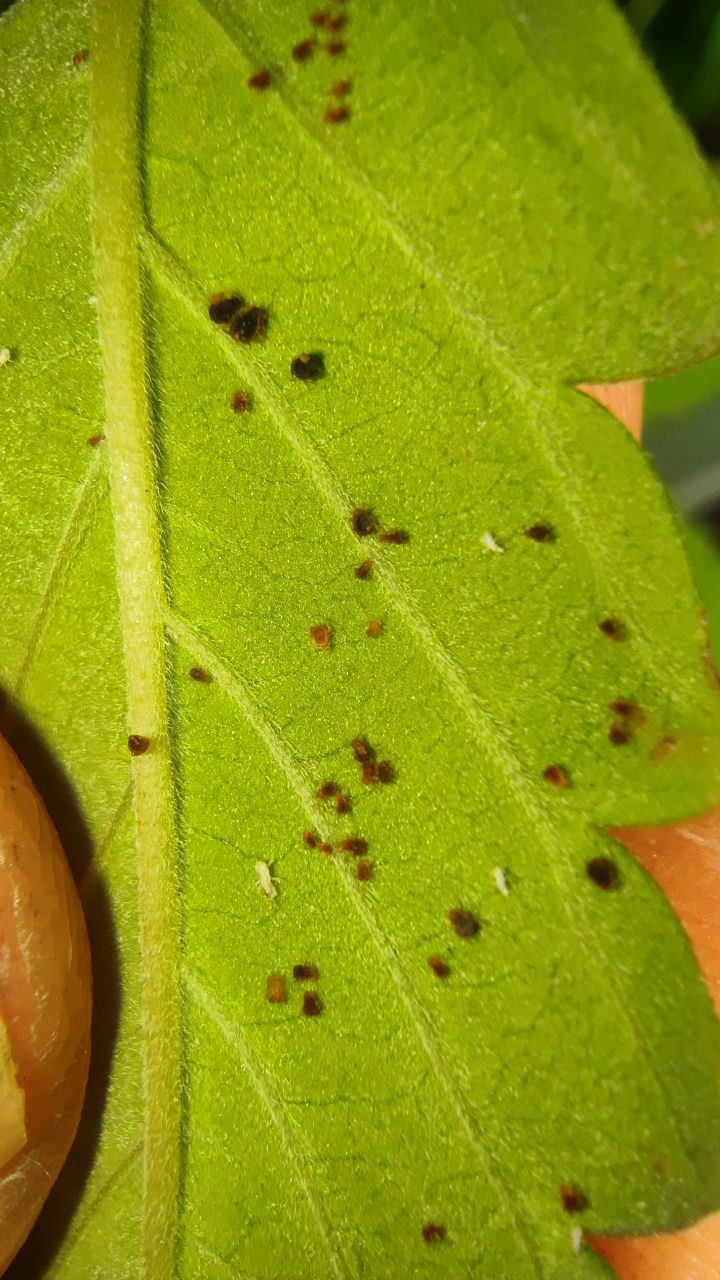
(704, 558)
(511, 206)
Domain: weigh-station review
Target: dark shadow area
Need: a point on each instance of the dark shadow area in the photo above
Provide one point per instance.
(62, 804)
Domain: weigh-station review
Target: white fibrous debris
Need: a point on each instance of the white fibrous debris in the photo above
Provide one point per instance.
(5, 356)
(501, 881)
(265, 880)
(576, 1235)
(490, 542)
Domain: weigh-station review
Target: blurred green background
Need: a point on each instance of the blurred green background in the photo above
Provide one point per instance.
(682, 414)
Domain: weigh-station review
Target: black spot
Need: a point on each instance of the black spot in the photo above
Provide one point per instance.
(363, 522)
(311, 1004)
(463, 922)
(249, 325)
(222, 307)
(308, 367)
(137, 744)
(604, 873)
(305, 973)
(540, 533)
(613, 629)
(573, 1199)
(619, 735)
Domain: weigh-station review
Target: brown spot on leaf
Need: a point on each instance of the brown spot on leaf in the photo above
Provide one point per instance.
(573, 1200)
(202, 677)
(385, 771)
(305, 973)
(336, 115)
(540, 533)
(80, 57)
(613, 629)
(303, 51)
(664, 747)
(618, 734)
(223, 307)
(463, 922)
(260, 79)
(308, 367)
(364, 870)
(363, 522)
(439, 967)
(354, 845)
(319, 18)
(137, 744)
(311, 1004)
(311, 840)
(275, 989)
(94, 441)
(240, 402)
(326, 847)
(321, 635)
(433, 1232)
(396, 536)
(249, 325)
(326, 790)
(336, 23)
(335, 47)
(374, 628)
(556, 775)
(343, 805)
(340, 89)
(604, 873)
(362, 750)
(368, 772)
(364, 571)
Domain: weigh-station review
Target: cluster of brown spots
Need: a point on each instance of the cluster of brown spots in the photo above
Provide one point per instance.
(556, 775)
(275, 991)
(249, 325)
(433, 1232)
(202, 677)
(343, 805)
(303, 51)
(336, 115)
(374, 628)
(240, 402)
(321, 635)
(540, 533)
(94, 441)
(573, 1200)
(604, 873)
(311, 1004)
(363, 571)
(395, 536)
(309, 366)
(438, 966)
(463, 922)
(260, 79)
(137, 744)
(613, 629)
(223, 306)
(305, 973)
(327, 790)
(340, 89)
(363, 522)
(364, 870)
(354, 845)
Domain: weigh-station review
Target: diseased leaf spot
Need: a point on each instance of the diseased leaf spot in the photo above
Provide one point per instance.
(94, 441)
(663, 748)
(311, 840)
(364, 571)
(395, 536)
(336, 23)
(362, 750)
(540, 533)
(340, 89)
(343, 805)
(202, 677)
(385, 771)
(463, 922)
(619, 735)
(260, 79)
(303, 51)
(305, 973)
(556, 775)
(319, 18)
(335, 47)
(364, 870)
(311, 1004)
(80, 57)
(368, 772)
(439, 967)
(374, 628)
(326, 790)
(326, 847)
(137, 744)
(613, 629)
(275, 991)
(433, 1232)
(604, 873)
(336, 115)
(249, 325)
(363, 522)
(627, 710)
(354, 845)
(573, 1200)
(240, 402)
(321, 635)
(308, 367)
(222, 307)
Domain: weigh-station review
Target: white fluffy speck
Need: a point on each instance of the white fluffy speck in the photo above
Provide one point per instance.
(501, 881)
(5, 356)
(576, 1236)
(490, 542)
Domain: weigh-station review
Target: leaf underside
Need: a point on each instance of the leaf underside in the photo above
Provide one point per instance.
(509, 208)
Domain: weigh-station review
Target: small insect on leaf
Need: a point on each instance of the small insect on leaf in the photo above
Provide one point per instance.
(433, 1232)
(308, 367)
(326, 847)
(5, 356)
(80, 57)
(223, 307)
(260, 79)
(265, 880)
(619, 735)
(275, 991)
(500, 879)
(573, 1200)
(321, 635)
(343, 805)
(137, 744)
(463, 922)
(310, 839)
(311, 1004)
(369, 772)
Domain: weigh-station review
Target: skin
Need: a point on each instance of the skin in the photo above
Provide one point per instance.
(684, 859)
